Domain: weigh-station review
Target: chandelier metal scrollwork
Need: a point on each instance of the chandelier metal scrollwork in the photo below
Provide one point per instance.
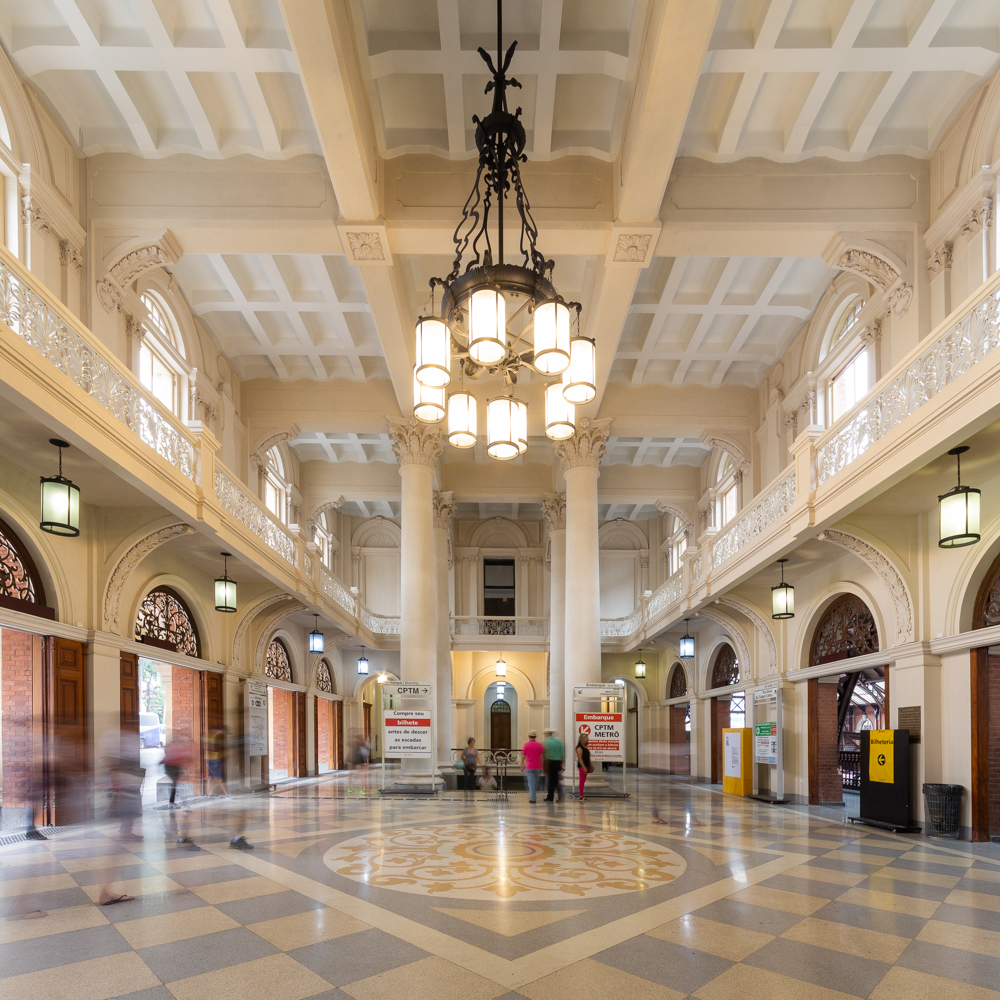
(473, 326)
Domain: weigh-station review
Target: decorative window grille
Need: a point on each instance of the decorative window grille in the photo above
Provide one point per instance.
(726, 669)
(678, 683)
(846, 629)
(324, 682)
(277, 664)
(18, 578)
(163, 615)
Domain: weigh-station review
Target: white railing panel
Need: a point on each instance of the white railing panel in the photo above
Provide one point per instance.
(671, 590)
(252, 514)
(616, 628)
(379, 624)
(337, 592)
(768, 508)
(482, 625)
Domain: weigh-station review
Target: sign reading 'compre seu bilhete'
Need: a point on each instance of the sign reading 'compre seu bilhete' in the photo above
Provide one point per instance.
(606, 733)
(407, 733)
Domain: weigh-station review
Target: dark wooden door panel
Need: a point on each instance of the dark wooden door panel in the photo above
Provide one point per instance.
(66, 749)
(129, 679)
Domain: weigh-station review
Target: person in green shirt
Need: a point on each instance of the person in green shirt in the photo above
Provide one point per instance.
(554, 754)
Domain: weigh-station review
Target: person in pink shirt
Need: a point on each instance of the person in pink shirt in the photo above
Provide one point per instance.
(532, 752)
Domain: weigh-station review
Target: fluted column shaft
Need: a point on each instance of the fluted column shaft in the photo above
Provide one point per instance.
(554, 511)
(581, 458)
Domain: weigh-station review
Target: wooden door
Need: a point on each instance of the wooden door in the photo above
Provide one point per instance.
(985, 739)
(212, 700)
(720, 721)
(500, 725)
(680, 741)
(338, 740)
(297, 730)
(129, 699)
(66, 733)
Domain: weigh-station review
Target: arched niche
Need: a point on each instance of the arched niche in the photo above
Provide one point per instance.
(623, 550)
(725, 669)
(499, 533)
(323, 677)
(677, 681)
(846, 628)
(375, 551)
(277, 661)
(813, 613)
(290, 643)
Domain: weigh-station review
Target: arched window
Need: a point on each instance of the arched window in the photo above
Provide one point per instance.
(275, 484)
(277, 664)
(678, 683)
(161, 356)
(500, 716)
(726, 668)
(163, 615)
(18, 577)
(846, 629)
(847, 321)
(323, 538)
(987, 610)
(324, 681)
(727, 498)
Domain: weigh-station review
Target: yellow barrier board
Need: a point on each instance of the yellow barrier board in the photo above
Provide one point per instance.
(737, 764)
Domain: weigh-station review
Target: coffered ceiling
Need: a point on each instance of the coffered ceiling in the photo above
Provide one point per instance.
(796, 78)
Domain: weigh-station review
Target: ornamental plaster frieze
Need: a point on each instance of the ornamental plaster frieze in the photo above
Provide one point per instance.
(366, 243)
(757, 620)
(680, 515)
(587, 447)
(940, 259)
(554, 512)
(128, 260)
(258, 457)
(876, 266)
(733, 450)
(742, 647)
(127, 563)
(265, 637)
(632, 244)
(247, 620)
(886, 571)
(444, 509)
(414, 442)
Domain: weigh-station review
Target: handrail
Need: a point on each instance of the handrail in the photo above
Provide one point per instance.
(44, 323)
(252, 514)
(771, 504)
(494, 625)
(626, 625)
(924, 373)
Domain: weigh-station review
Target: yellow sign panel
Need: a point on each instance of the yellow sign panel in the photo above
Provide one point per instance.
(880, 759)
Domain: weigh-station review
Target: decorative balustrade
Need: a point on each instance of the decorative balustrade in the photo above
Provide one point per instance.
(252, 514)
(480, 625)
(696, 567)
(962, 346)
(490, 758)
(379, 624)
(671, 590)
(769, 507)
(612, 628)
(337, 592)
(100, 375)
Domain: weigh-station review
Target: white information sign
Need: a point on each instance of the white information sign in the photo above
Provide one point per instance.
(407, 733)
(769, 692)
(731, 765)
(402, 688)
(597, 691)
(606, 731)
(255, 704)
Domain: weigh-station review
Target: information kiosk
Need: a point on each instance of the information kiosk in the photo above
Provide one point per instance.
(407, 722)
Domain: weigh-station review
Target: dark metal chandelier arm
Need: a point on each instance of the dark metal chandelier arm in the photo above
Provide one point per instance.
(469, 223)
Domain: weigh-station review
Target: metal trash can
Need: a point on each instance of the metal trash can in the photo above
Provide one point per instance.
(943, 810)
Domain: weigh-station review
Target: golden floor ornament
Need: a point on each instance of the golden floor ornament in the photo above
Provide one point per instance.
(484, 862)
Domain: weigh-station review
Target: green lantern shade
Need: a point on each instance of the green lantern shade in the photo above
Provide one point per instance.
(60, 501)
(225, 589)
(782, 597)
(958, 511)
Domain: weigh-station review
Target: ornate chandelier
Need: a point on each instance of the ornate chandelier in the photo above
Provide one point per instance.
(474, 326)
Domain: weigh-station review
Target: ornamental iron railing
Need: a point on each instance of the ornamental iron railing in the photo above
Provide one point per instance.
(252, 514)
(481, 625)
(770, 506)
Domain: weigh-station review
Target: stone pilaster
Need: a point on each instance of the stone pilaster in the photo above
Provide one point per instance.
(444, 511)
(554, 512)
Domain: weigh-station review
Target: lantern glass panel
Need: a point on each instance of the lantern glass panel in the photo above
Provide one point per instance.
(462, 419)
(783, 601)
(687, 647)
(487, 326)
(640, 669)
(60, 502)
(959, 517)
(579, 381)
(316, 642)
(501, 430)
(225, 594)
(428, 402)
(362, 665)
(551, 338)
(520, 412)
(560, 415)
(433, 367)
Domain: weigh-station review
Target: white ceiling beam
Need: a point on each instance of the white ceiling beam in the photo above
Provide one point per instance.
(284, 296)
(454, 94)
(636, 509)
(363, 507)
(545, 79)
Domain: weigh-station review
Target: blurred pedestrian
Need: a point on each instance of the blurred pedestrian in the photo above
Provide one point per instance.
(532, 752)
(554, 754)
(583, 765)
(119, 758)
(176, 761)
(360, 755)
(470, 761)
(215, 754)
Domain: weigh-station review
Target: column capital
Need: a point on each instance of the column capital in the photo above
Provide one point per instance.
(444, 509)
(554, 510)
(414, 442)
(587, 446)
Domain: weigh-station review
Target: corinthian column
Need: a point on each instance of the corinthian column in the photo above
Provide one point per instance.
(444, 511)
(581, 459)
(554, 512)
(417, 446)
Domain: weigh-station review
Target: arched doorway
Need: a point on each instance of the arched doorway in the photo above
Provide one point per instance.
(845, 630)
(679, 722)
(725, 672)
(500, 718)
(286, 717)
(984, 793)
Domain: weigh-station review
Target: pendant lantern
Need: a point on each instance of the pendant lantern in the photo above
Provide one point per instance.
(462, 419)
(552, 339)
(362, 664)
(316, 638)
(60, 501)
(687, 643)
(958, 511)
(782, 597)
(640, 667)
(501, 428)
(225, 589)
(428, 402)
(560, 415)
(579, 380)
(433, 367)
(487, 326)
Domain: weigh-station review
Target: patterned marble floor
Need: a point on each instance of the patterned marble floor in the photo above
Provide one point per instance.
(466, 899)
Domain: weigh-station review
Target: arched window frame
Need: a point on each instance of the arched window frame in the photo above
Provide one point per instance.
(324, 676)
(277, 662)
(274, 485)
(676, 681)
(722, 668)
(848, 366)
(677, 543)
(862, 639)
(323, 539)
(172, 623)
(726, 493)
(160, 364)
(19, 579)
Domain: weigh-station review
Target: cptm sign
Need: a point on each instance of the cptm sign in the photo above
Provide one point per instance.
(606, 731)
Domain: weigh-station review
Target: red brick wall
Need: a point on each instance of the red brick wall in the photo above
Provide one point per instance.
(993, 743)
(279, 748)
(16, 705)
(185, 700)
(322, 734)
(830, 781)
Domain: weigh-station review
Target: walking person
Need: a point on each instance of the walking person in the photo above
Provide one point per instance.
(470, 761)
(217, 744)
(554, 754)
(583, 765)
(532, 753)
(176, 760)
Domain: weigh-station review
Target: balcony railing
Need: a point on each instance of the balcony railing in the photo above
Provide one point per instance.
(253, 515)
(772, 505)
(481, 625)
(963, 345)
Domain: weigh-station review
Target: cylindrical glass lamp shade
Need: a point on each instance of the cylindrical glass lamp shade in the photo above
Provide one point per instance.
(501, 429)
(363, 665)
(783, 601)
(316, 641)
(579, 381)
(687, 647)
(552, 338)
(463, 421)
(60, 506)
(433, 367)
(501, 667)
(428, 402)
(225, 595)
(560, 415)
(959, 517)
(640, 668)
(487, 326)
(521, 426)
